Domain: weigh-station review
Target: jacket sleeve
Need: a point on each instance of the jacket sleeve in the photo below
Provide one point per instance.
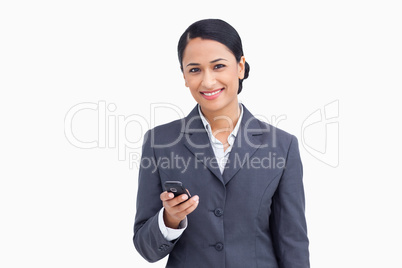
(287, 220)
(148, 239)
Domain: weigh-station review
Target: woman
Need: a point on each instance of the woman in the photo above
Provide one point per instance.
(247, 208)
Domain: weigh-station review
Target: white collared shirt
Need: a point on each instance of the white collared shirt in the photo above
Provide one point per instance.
(218, 147)
(221, 156)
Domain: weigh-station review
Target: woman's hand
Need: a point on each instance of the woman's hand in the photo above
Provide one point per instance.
(175, 209)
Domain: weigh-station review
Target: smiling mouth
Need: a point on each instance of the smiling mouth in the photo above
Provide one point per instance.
(212, 92)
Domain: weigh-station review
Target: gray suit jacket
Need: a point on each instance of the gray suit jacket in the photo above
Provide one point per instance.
(251, 216)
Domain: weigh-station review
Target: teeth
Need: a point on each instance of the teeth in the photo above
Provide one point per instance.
(211, 94)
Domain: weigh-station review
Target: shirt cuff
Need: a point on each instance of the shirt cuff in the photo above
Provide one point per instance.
(169, 233)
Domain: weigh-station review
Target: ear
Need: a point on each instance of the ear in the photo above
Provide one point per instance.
(241, 67)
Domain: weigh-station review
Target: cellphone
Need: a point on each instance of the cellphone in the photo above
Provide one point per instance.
(176, 187)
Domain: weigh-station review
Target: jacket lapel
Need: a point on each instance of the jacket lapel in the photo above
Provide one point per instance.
(197, 141)
(247, 141)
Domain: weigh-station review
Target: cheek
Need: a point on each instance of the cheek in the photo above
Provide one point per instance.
(192, 83)
(232, 78)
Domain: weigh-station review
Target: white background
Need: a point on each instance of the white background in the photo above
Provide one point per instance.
(64, 206)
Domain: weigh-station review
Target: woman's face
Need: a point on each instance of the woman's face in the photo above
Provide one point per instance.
(212, 74)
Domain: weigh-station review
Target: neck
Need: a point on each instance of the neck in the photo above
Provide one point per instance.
(223, 120)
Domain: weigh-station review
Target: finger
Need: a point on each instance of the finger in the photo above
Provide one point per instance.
(173, 205)
(187, 210)
(165, 196)
(183, 206)
(182, 210)
(177, 200)
(191, 208)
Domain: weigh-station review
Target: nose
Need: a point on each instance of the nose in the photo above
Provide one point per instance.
(208, 80)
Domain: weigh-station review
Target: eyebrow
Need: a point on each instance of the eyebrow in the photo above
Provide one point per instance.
(195, 64)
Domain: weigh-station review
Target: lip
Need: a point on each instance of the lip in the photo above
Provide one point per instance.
(214, 96)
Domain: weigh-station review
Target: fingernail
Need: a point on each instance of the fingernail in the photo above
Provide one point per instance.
(184, 197)
(171, 195)
(196, 198)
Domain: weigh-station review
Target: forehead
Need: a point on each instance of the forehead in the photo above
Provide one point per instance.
(204, 50)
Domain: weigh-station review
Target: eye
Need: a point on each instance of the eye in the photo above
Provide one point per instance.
(194, 70)
(219, 66)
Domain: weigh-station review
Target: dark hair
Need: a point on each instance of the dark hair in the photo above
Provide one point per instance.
(217, 30)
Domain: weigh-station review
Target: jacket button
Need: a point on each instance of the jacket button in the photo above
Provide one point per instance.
(218, 212)
(219, 246)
